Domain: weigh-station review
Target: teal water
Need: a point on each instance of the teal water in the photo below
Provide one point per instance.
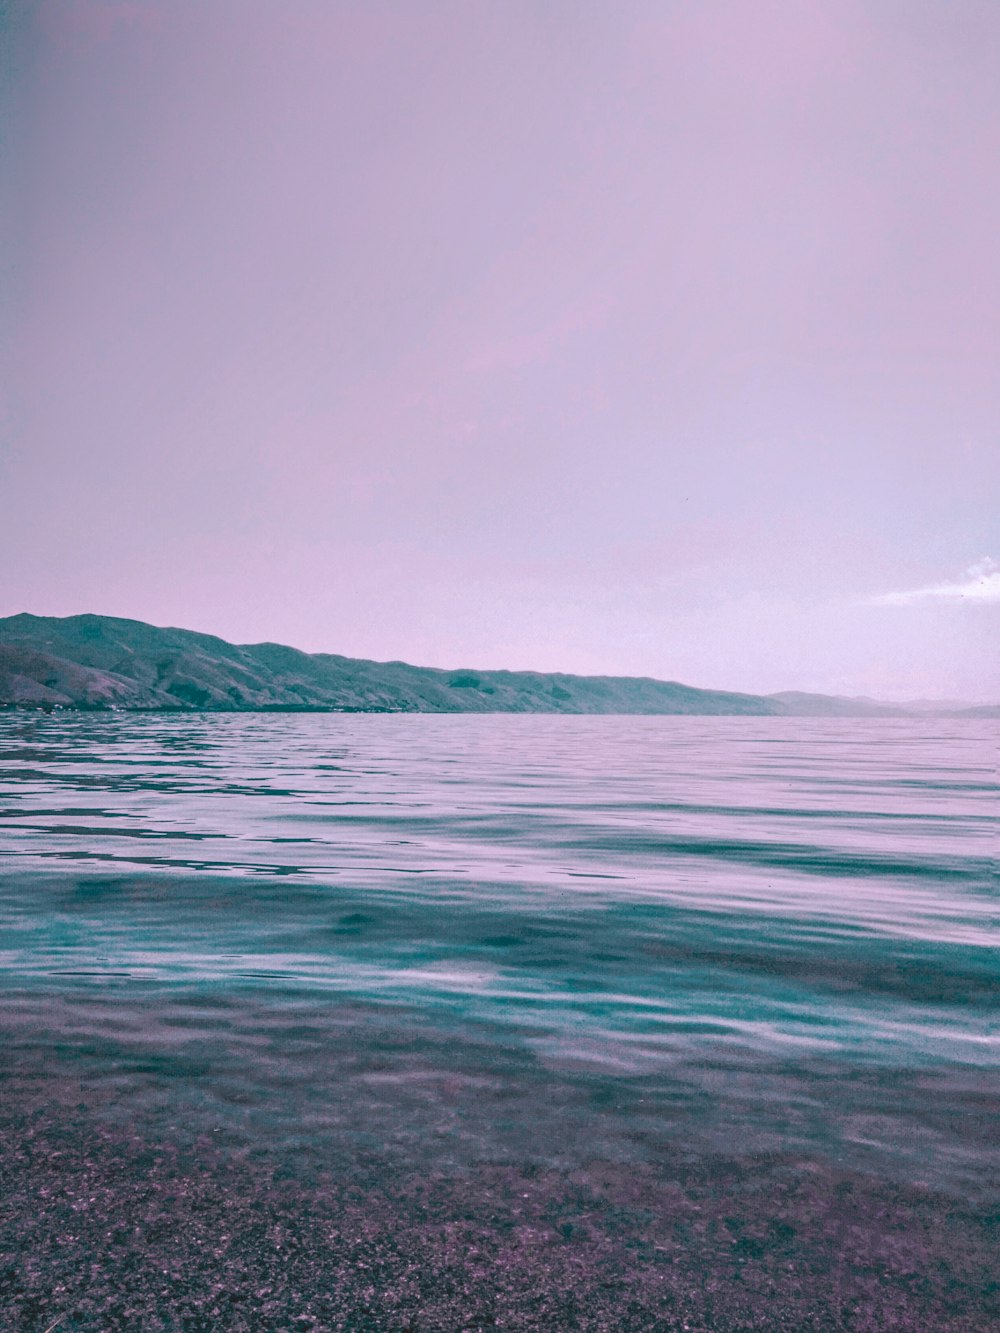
(514, 934)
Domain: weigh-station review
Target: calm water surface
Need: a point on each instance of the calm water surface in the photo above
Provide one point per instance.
(506, 934)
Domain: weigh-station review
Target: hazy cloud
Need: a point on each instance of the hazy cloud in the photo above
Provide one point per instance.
(979, 583)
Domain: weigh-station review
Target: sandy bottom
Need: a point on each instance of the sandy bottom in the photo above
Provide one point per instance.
(109, 1227)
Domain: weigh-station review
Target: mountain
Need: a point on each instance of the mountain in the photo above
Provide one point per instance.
(102, 662)
(950, 707)
(99, 662)
(797, 704)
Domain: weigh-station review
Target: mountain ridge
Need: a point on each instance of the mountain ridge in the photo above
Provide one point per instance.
(98, 662)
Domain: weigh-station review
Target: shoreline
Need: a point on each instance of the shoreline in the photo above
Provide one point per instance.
(107, 1226)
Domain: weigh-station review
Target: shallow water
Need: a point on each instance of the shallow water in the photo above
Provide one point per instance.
(506, 935)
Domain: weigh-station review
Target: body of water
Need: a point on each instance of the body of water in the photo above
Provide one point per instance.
(506, 935)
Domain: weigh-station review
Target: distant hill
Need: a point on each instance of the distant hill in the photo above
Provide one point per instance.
(797, 704)
(100, 662)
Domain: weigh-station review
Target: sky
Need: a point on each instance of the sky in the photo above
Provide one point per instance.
(601, 336)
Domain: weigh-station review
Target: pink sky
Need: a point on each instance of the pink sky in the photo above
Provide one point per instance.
(655, 338)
